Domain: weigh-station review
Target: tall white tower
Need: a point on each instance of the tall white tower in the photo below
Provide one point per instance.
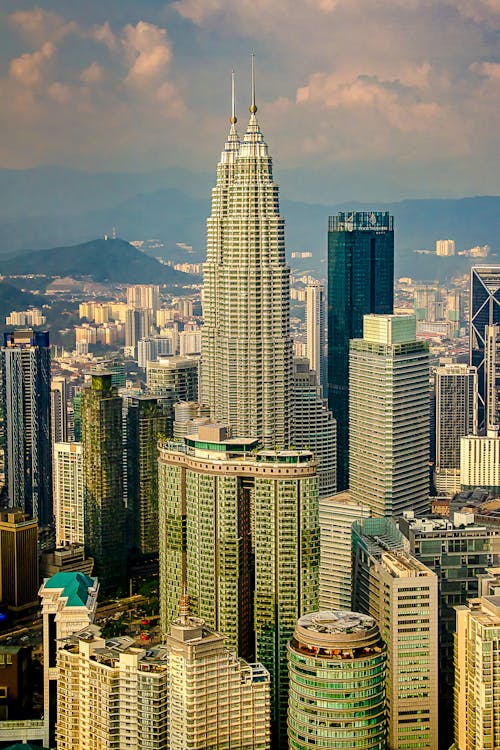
(315, 330)
(246, 343)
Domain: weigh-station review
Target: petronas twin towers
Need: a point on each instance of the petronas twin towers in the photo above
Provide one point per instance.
(247, 348)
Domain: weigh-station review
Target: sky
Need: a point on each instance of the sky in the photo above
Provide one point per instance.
(357, 99)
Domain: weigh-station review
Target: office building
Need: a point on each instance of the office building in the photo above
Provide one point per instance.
(401, 594)
(313, 425)
(477, 674)
(104, 508)
(316, 347)
(240, 527)
(214, 699)
(246, 343)
(389, 417)
(69, 604)
(360, 281)
(335, 661)
(177, 374)
(18, 561)
(188, 416)
(445, 247)
(140, 296)
(492, 377)
(68, 494)
(456, 416)
(58, 409)
(16, 684)
(189, 342)
(111, 694)
(480, 463)
(147, 418)
(458, 551)
(26, 408)
(484, 310)
(336, 516)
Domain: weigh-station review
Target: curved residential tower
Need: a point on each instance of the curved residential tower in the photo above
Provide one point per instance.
(246, 343)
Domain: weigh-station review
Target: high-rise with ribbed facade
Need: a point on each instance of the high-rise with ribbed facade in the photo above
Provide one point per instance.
(246, 343)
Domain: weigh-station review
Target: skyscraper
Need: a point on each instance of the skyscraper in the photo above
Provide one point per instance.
(240, 527)
(316, 331)
(484, 311)
(456, 417)
(401, 594)
(492, 377)
(103, 479)
(360, 281)
(174, 374)
(26, 408)
(313, 425)
(246, 343)
(477, 674)
(389, 416)
(68, 494)
(58, 409)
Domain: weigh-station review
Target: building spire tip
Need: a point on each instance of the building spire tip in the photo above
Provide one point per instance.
(253, 106)
(233, 119)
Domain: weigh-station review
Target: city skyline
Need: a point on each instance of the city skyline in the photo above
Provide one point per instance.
(129, 86)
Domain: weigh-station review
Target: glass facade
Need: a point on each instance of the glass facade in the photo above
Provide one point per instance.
(484, 311)
(336, 663)
(360, 281)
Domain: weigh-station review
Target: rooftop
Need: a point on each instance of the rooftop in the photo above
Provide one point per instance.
(74, 586)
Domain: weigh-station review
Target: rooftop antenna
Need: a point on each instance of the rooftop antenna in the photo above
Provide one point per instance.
(253, 106)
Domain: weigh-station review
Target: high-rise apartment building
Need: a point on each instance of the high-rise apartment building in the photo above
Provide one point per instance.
(401, 594)
(141, 296)
(177, 374)
(69, 494)
(336, 516)
(316, 331)
(480, 463)
(477, 674)
(246, 343)
(111, 694)
(458, 551)
(456, 416)
(214, 699)
(58, 409)
(137, 326)
(26, 408)
(389, 416)
(336, 663)
(360, 281)
(313, 425)
(18, 561)
(426, 303)
(69, 604)
(240, 527)
(484, 310)
(104, 510)
(445, 247)
(147, 418)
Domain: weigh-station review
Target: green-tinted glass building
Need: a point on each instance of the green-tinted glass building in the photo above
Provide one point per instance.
(360, 281)
(336, 663)
(104, 507)
(239, 527)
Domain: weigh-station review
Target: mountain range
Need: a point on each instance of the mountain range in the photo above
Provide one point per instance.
(49, 206)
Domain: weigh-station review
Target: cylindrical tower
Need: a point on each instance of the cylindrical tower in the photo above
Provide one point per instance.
(336, 664)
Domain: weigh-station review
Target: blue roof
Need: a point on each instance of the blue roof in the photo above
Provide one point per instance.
(75, 587)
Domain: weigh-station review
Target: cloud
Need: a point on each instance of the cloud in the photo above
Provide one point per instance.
(27, 69)
(40, 25)
(490, 70)
(148, 52)
(104, 35)
(93, 74)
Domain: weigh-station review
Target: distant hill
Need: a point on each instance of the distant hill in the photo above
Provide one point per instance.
(47, 207)
(111, 260)
(12, 298)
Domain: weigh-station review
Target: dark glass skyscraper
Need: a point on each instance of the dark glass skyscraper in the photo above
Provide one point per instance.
(360, 281)
(26, 408)
(484, 311)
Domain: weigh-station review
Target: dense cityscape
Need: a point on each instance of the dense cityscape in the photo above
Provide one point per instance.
(249, 498)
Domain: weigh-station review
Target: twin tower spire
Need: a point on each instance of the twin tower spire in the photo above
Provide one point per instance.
(253, 134)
